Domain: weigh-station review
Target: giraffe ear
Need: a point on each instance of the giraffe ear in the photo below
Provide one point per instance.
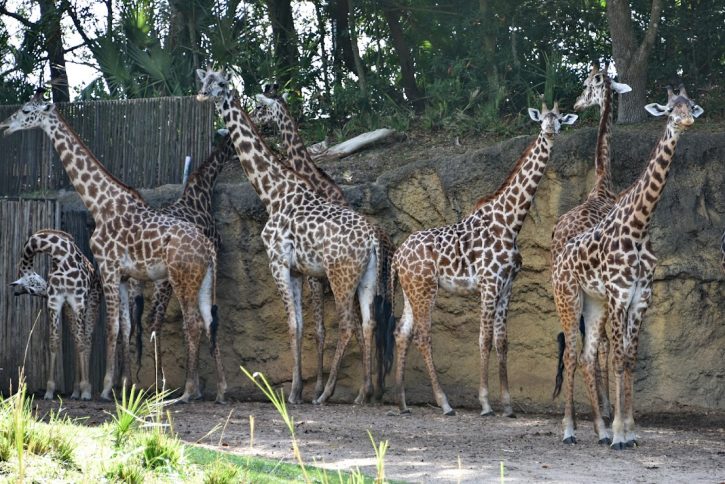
(656, 109)
(285, 96)
(201, 74)
(620, 88)
(697, 111)
(568, 119)
(535, 114)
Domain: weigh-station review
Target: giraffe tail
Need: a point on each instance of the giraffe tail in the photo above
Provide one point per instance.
(214, 326)
(560, 365)
(136, 315)
(383, 309)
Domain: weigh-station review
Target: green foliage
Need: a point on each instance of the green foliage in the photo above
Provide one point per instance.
(129, 472)
(160, 451)
(131, 413)
(221, 472)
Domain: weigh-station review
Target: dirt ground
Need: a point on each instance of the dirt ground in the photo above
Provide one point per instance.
(428, 447)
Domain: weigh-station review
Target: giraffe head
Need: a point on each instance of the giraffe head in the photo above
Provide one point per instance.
(32, 114)
(680, 109)
(214, 84)
(551, 121)
(30, 283)
(268, 112)
(595, 88)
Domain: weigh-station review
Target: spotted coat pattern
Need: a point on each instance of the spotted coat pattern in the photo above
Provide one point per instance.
(272, 112)
(606, 272)
(476, 255)
(305, 236)
(73, 286)
(133, 240)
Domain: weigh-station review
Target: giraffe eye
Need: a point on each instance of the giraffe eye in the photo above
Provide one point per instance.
(26, 111)
(221, 84)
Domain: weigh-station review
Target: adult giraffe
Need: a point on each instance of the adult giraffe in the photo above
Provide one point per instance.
(308, 236)
(272, 111)
(606, 273)
(598, 91)
(476, 255)
(133, 240)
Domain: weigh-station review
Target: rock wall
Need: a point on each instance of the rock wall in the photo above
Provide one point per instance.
(682, 352)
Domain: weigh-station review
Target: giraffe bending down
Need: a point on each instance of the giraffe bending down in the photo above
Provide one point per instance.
(608, 270)
(133, 240)
(598, 91)
(193, 206)
(272, 111)
(308, 236)
(478, 254)
(74, 286)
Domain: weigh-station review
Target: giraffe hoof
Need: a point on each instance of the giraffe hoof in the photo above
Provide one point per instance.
(220, 401)
(509, 415)
(490, 413)
(618, 446)
(631, 444)
(570, 440)
(605, 441)
(449, 413)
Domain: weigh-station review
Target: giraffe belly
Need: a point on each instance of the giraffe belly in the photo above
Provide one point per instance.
(458, 285)
(143, 272)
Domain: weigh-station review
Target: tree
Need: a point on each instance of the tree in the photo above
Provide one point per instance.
(392, 13)
(631, 56)
(285, 38)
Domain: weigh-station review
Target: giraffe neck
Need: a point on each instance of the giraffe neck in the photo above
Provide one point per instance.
(96, 186)
(200, 187)
(636, 208)
(602, 157)
(300, 161)
(271, 180)
(514, 197)
(45, 242)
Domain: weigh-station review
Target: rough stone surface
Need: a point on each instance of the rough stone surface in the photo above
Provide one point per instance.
(682, 352)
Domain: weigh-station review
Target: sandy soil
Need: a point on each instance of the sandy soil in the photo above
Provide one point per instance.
(428, 447)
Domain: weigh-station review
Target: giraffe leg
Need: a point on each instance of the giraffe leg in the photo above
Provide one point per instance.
(603, 370)
(422, 340)
(569, 307)
(317, 303)
(485, 340)
(617, 317)
(500, 339)
(343, 301)
(82, 350)
(54, 310)
(125, 327)
(366, 293)
(403, 336)
(111, 293)
(69, 313)
(162, 296)
(192, 333)
(594, 315)
(211, 323)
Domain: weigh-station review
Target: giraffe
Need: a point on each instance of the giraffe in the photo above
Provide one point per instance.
(133, 240)
(308, 236)
(608, 270)
(73, 285)
(271, 110)
(193, 206)
(598, 90)
(477, 254)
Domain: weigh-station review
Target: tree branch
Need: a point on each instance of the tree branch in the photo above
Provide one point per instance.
(68, 8)
(16, 16)
(651, 32)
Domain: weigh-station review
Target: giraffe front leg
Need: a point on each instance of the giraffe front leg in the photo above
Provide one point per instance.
(500, 338)
(83, 386)
(110, 291)
(485, 341)
(317, 303)
(125, 329)
(618, 316)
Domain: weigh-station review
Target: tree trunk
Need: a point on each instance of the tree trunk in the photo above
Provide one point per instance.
(285, 38)
(488, 47)
(631, 57)
(50, 24)
(407, 70)
(359, 67)
(341, 46)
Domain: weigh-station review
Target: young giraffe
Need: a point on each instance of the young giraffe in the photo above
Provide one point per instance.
(478, 254)
(133, 240)
(608, 269)
(193, 206)
(598, 90)
(272, 111)
(307, 236)
(73, 285)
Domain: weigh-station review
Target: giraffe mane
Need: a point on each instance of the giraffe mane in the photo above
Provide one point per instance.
(55, 232)
(512, 174)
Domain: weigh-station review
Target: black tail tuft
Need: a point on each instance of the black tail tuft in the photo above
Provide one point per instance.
(213, 328)
(385, 323)
(137, 314)
(560, 366)
(582, 326)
